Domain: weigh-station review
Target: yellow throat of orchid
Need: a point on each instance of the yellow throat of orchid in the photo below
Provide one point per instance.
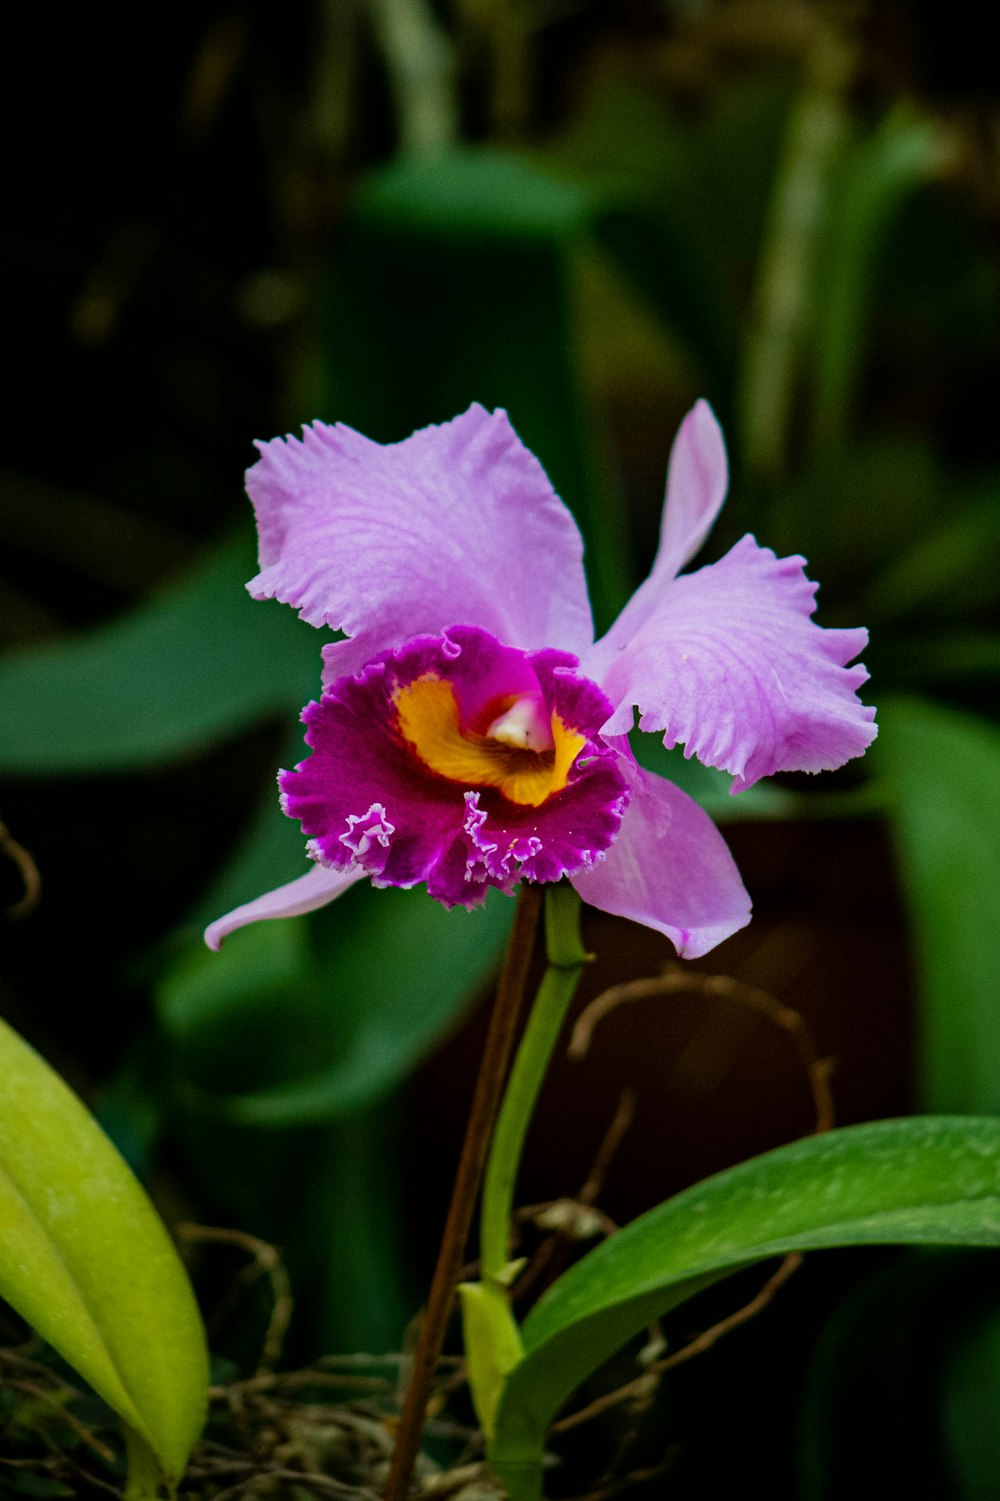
(525, 758)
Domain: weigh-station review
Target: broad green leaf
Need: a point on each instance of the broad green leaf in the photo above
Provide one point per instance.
(874, 1410)
(86, 1261)
(946, 658)
(679, 209)
(923, 1181)
(639, 167)
(297, 1021)
(875, 177)
(710, 787)
(248, 1017)
(361, 1263)
(201, 661)
(269, 852)
(954, 565)
(853, 511)
(129, 1107)
(469, 193)
(713, 178)
(472, 257)
(942, 769)
(936, 291)
(971, 1392)
(651, 247)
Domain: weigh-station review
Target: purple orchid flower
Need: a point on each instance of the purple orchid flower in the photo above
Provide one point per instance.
(471, 733)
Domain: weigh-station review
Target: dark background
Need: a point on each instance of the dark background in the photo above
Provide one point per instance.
(221, 225)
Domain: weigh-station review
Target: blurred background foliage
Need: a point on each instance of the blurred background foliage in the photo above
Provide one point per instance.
(227, 222)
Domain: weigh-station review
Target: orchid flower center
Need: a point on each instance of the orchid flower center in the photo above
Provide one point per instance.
(524, 725)
(524, 752)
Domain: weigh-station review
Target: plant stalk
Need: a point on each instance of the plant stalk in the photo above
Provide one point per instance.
(486, 1101)
(566, 956)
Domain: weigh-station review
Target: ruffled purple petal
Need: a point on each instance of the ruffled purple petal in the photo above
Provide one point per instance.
(367, 801)
(670, 869)
(697, 480)
(386, 542)
(728, 662)
(317, 887)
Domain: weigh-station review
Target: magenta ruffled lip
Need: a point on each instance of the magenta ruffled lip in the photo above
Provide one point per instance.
(366, 801)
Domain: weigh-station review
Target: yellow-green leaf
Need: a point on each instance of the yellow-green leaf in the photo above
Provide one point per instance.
(85, 1259)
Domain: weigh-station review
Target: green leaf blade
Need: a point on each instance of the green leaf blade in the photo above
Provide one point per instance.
(926, 1181)
(485, 239)
(942, 768)
(197, 663)
(85, 1259)
(875, 178)
(377, 979)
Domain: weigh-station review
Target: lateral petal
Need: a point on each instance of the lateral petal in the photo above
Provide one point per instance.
(457, 523)
(317, 887)
(670, 869)
(728, 662)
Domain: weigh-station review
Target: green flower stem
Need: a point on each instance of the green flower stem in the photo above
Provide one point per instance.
(492, 1072)
(566, 956)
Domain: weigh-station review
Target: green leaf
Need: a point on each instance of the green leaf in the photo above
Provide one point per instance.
(200, 662)
(475, 193)
(85, 1259)
(901, 1396)
(371, 982)
(925, 1181)
(269, 852)
(953, 564)
(876, 176)
(971, 1389)
(710, 787)
(464, 267)
(945, 657)
(364, 1284)
(873, 1411)
(853, 511)
(248, 1017)
(942, 769)
(936, 291)
(651, 246)
(679, 209)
